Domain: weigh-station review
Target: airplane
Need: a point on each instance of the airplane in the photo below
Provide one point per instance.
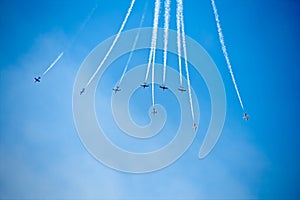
(181, 89)
(154, 111)
(195, 126)
(246, 117)
(164, 87)
(117, 89)
(144, 85)
(82, 91)
(37, 79)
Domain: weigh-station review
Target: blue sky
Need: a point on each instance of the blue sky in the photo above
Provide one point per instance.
(41, 154)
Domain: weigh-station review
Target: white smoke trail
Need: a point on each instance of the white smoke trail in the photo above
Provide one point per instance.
(221, 38)
(53, 63)
(166, 36)
(154, 37)
(83, 25)
(87, 19)
(132, 50)
(74, 38)
(185, 58)
(178, 11)
(114, 42)
(152, 86)
(149, 62)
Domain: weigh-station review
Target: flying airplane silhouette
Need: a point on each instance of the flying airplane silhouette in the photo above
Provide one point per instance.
(117, 89)
(154, 111)
(37, 79)
(164, 87)
(144, 85)
(195, 126)
(246, 117)
(181, 89)
(82, 91)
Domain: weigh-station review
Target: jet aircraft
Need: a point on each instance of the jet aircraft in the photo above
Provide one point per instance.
(144, 85)
(82, 91)
(246, 117)
(154, 111)
(164, 87)
(195, 126)
(181, 89)
(117, 89)
(37, 79)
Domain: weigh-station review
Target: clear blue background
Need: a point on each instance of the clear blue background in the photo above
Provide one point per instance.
(41, 154)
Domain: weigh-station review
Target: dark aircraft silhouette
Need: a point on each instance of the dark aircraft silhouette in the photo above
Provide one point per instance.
(164, 87)
(153, 112)
(37, 79)
(195, 126)
(144, 85)
(246, 117)
(82, 91)
(181, 89)
(117, 89)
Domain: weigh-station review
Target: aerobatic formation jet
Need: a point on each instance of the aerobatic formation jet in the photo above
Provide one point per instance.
(82, 91)
(144, 85)
(37, 79)
(246, 117)
(154, 111)
(117, 89)
(181, 89)
(195, 126)
(164, 87)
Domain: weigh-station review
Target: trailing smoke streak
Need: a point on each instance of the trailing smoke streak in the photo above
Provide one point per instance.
(152, 83)
(83, 25)
(53, 63)
(178, 41)
(185, 58)
(154, 37)
(113, 44)
(166, 36)
(221, 38)
(88, 18)
(132, 50)
(149, 62)
(74, 38)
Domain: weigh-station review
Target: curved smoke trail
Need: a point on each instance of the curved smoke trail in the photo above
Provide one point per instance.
(154, 38)
(185, 58)
(166, 36)
(83, 25)
(114, 42)
(152, 81)
(179, 41)
(151, 59)
(87, 19)
(53, 63)
(132, 50)
(221, 38)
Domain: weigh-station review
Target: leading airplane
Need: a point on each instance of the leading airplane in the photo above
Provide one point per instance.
(246, 117)
(181, 89)
(82, 91)
(164, 87)
(144, 85)
(117, 89)
(37, 79)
